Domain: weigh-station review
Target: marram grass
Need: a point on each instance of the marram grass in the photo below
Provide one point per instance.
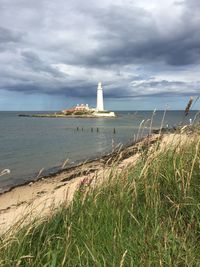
(149, 215)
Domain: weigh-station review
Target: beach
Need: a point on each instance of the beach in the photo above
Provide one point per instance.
(29, 145)
(38, 199)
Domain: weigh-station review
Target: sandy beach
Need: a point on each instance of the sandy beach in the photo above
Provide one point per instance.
(39, 199)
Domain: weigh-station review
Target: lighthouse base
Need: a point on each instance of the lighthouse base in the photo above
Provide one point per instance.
(104, 114)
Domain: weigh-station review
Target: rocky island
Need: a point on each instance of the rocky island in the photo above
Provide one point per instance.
(80, 111)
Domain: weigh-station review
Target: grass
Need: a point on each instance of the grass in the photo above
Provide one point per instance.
(148, 215)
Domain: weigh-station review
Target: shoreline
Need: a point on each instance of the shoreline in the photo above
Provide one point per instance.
(73, 166)
(51, 174)
(38, 199)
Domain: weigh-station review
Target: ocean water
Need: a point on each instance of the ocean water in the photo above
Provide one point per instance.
(28, 145)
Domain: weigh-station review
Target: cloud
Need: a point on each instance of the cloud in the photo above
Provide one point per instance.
(136, 49)
(8, 36)
(32, 61)
(129, 36)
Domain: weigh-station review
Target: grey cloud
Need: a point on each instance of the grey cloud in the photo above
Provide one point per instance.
(72, 90)
(132, 36)
(9, 38)
(33, 61)
(108, 38)
(164, 88)
(7, 35)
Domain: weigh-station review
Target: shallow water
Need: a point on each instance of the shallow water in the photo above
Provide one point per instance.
(28, 145)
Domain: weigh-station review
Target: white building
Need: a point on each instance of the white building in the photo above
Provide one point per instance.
(100, 112)
(100, 104)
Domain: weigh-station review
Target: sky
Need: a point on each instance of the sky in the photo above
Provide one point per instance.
(54, 53)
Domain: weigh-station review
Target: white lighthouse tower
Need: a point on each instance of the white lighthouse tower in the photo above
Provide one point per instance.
(99, 111)
(100, 106)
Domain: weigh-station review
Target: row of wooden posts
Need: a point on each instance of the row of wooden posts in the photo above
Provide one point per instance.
(92, 129)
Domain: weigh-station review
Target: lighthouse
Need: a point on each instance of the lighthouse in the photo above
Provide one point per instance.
(100, 106)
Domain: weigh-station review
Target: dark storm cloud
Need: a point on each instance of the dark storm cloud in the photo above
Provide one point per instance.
(33, 61)
(132, 36)
(7, 36)
(155, 88)
(63, 48)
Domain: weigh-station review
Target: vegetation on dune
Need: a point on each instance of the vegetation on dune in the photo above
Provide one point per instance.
(148, 215)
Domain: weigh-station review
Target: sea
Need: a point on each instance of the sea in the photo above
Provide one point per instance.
(32, 147)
